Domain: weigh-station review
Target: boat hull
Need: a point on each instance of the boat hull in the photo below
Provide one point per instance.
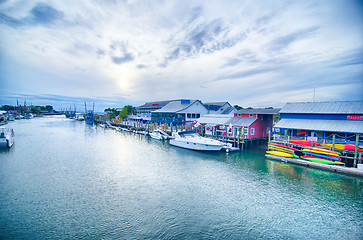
(195, 146)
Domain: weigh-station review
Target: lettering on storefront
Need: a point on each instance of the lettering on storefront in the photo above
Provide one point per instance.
(354, 117)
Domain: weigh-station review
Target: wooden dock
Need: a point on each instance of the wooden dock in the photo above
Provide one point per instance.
(332, 168)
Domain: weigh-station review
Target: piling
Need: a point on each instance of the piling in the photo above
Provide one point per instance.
(356, 150)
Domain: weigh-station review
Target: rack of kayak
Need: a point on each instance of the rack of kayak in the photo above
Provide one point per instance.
(311, 151)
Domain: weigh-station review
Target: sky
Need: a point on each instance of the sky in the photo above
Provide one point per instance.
(114, 53)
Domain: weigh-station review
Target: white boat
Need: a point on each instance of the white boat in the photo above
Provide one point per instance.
(193, 141)
(7, 137)
(157, 134)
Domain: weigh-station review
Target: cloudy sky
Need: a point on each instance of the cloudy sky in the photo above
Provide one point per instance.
(113, 52)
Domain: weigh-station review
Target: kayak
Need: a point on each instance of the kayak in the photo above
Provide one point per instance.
(349, 147)
(283, 146)
(282, 154)
(324, 161)
(321, 152)
(337, 146)
(322, 156)
(281, 149)
(304, 142)
(309, 156)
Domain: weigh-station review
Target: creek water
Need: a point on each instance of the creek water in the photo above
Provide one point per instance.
(64, 179)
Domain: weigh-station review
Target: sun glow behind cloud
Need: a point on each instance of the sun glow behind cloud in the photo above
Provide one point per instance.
(237, 51)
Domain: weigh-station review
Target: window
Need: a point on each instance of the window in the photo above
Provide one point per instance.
(198, 115)
(251, 115)
(188, 115)
(252, 131)
(193, 115)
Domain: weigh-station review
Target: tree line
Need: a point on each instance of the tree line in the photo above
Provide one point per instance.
(123, 113)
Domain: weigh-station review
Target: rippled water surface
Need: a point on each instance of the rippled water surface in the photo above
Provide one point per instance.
(66, 180)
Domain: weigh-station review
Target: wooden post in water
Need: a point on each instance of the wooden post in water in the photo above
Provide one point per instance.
(269, 137)
(285, 136)
(312, 143)
(356, 150)
(226, 132)
(243, 137)
(238, 136)
(333, 147)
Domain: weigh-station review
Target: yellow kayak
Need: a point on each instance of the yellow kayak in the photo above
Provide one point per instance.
(337, 146)
(321, 152)
(281, 154)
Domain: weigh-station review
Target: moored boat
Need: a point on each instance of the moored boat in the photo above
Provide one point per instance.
(7, 137)
(193, 141)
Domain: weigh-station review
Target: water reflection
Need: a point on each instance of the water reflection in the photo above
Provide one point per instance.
(65, 179)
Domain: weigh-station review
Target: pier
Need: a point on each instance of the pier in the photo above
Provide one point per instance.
(345, 170)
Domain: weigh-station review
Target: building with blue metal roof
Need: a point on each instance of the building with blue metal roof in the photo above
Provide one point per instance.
(179, 112)
(322, 119)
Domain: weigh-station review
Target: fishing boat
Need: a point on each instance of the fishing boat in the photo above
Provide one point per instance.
(7, 137)
(193, 141)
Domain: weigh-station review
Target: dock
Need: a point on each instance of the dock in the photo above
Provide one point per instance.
(332, 168)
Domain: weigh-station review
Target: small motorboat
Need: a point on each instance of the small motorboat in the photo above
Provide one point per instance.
(7, 137)
(159, 134)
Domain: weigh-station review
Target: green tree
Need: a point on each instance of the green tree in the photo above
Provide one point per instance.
(49, 108)
(238, 107)
(123, 113)
(130, 109)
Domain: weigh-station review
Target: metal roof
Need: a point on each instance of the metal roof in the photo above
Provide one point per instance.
(176, 106)
(344, 126)
(259, 111)
(228, 110)
(158, 103)
(346, 107)
(241, 121)
(223, 119)
(214, 119)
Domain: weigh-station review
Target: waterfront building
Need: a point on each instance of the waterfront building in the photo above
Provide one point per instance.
(144, 111)
(179, 112)
(319, 121)
(246, 123)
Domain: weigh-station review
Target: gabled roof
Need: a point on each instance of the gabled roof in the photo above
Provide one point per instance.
(344, 107)
(259, 111)
(214, 104)
(177, 106)
(214, 119)
(241, 121)
(157, 103)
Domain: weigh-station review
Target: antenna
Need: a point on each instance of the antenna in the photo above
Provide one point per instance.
(314, 95)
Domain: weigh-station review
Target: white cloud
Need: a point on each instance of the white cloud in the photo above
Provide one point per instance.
(238, 51)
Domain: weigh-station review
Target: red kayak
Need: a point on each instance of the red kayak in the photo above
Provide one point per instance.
(304, 142)
(351, 147)
(283, 146)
